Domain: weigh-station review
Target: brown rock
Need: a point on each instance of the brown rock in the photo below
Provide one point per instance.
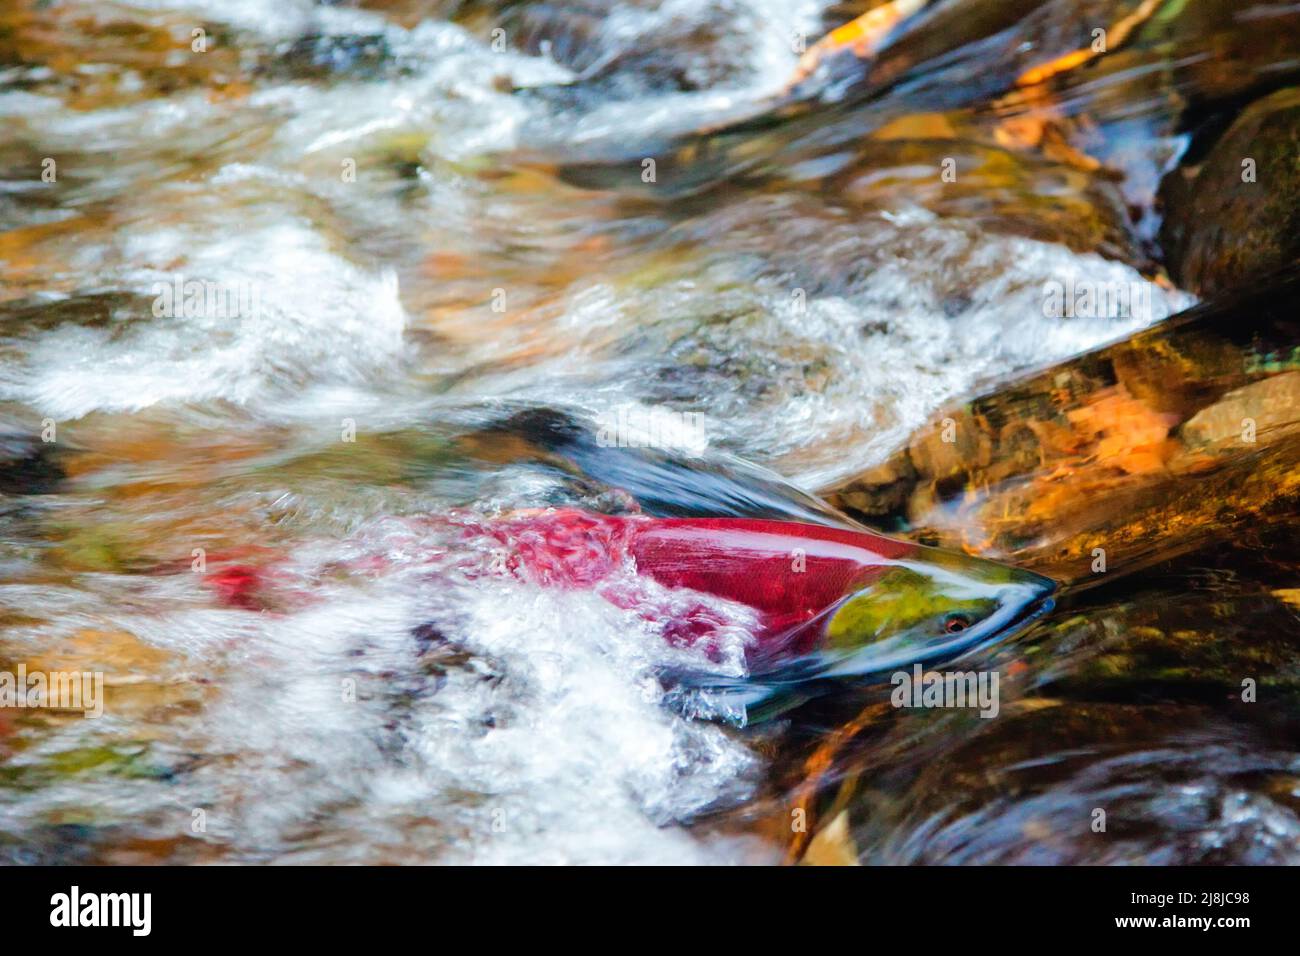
(1259, 412)
(1237, 214)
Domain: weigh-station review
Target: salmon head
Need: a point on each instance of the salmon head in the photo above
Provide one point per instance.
(891, 604)
(929, 605)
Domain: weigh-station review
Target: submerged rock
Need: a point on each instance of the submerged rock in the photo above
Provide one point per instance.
(1235, 214)
(1106, 88)
(952, 54)
(1263, 406)
(1160, 443)
(1036, 788)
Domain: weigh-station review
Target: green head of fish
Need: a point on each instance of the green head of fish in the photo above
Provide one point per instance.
(924, 607)
(935, 604)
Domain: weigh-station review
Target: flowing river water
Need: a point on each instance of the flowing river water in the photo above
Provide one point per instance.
(407, 224)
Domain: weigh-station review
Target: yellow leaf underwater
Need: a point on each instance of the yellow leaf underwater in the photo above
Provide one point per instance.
(833, 845)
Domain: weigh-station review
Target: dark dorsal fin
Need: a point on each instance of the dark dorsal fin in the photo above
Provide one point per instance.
(664, 483)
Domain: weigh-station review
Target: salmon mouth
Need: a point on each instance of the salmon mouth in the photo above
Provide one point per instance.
(1015, 617)
(1032, 612)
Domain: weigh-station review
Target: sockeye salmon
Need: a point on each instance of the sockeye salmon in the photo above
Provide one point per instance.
(818, 601)
(828, 601)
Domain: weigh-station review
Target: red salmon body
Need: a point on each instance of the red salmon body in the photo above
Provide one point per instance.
(824, 600)
(790, 574)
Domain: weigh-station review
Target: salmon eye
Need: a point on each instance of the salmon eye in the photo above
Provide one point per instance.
(954, 623)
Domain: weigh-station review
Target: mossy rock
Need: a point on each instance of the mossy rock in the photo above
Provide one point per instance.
(1236, 215)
